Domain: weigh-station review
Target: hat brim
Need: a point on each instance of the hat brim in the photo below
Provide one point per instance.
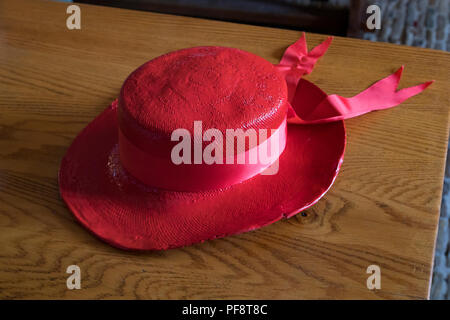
(127, 214)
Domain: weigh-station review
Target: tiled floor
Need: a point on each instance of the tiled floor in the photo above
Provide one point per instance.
(440, 288)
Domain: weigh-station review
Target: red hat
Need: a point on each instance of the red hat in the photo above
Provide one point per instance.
(131, 179)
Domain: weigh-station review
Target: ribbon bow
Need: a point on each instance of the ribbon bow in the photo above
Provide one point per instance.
(309, 104)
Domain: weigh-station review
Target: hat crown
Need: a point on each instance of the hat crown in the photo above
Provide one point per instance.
(212, 87)
(225, 88)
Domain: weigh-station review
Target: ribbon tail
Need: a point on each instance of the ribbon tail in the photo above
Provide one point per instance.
(320, 50)
(311, 105)
(407, 93)
(296, 57)
(299, 47)
(297, 61)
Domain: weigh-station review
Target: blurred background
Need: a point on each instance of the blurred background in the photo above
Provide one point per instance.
(420, 23)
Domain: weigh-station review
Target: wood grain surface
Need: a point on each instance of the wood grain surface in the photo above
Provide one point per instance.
(383, 208)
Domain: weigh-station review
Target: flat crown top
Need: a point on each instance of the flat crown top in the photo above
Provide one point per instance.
(225, 88)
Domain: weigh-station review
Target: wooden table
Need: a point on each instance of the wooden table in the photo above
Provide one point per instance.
(383, 208)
